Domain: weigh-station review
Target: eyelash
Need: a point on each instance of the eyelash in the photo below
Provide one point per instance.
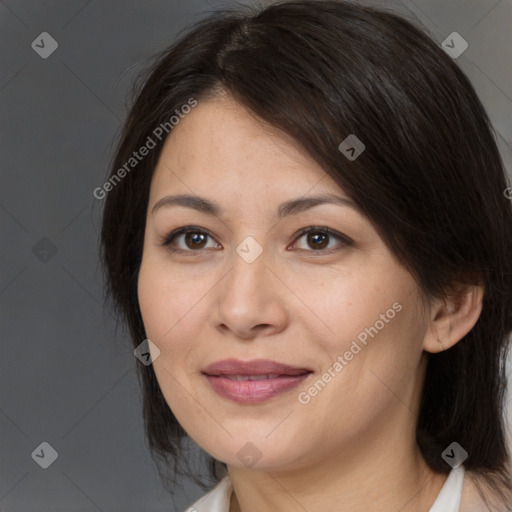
(345, 241)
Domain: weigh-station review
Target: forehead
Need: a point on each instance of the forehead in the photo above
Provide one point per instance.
(219, 141)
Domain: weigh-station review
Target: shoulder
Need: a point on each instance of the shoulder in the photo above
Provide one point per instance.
(474, 491)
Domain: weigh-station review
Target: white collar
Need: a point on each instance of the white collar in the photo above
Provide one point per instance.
(448, 500)
(217, 500)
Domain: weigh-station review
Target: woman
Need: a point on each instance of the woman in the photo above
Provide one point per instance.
(307, 234)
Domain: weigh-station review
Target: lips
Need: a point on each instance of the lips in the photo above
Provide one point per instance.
(256, 367)
(250, 382)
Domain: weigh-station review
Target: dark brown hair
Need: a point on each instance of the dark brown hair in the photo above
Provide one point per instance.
(430, 180)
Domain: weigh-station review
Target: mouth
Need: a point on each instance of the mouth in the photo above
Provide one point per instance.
(249, 377)
(251, 382)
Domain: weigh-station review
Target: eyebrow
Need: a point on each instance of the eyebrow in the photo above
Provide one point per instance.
(291, 207)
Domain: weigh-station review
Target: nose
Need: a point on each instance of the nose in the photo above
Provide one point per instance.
(250, 300)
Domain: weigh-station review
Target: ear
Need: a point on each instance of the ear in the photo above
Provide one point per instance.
(452, 317)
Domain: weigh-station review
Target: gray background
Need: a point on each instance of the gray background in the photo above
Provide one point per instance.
(66, 377)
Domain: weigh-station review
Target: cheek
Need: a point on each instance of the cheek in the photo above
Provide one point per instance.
(154, 302)
(350, 303)
(167, 306)
(168, 301)
(375, 323)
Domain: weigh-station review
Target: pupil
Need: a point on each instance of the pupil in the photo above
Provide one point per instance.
(195, 239)
(315, 238)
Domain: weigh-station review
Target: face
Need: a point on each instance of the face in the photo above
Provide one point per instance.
(235, 277)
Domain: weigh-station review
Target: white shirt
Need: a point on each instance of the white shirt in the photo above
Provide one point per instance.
(448, 499)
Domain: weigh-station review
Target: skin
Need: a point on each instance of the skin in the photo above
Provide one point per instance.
(352, 447)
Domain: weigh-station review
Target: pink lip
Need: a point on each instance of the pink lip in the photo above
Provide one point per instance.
(248, 391)
(254, 367)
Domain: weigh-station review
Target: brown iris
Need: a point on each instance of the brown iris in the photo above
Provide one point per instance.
(318, 240)
(195, 240)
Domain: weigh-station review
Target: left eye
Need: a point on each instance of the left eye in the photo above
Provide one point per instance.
(319, 239)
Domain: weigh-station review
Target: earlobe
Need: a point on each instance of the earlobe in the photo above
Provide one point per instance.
(453, 317)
